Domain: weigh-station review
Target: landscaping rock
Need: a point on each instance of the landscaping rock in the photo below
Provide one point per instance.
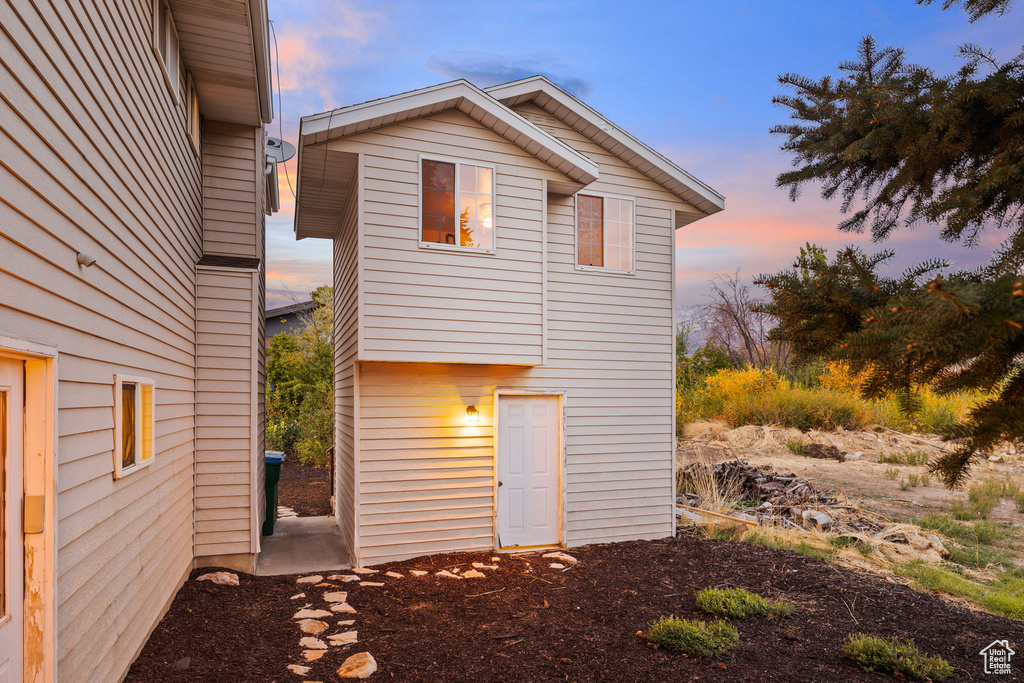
(222, 578)
(311, 614)
(473, 574)
(561, 557)
(394, 575)
(299, 669)
(299, 596)
(313, 626)
(347, 623)
(363, 570)
(445, 574)
(361, 665)
(370, 583)
(481, 565)
(418, 572)
(316, 578)
(349, 578)
(313, 655)
(346, 638)
(312, 643)
(343, 607)
(557, 565)
(336, 596)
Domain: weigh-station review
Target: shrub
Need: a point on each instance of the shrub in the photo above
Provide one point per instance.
(693, 637)
(796, 447)
(892, 473)
(1018, 501)
(797, 408)
(873, 653)
(907, 458)
(740, 604)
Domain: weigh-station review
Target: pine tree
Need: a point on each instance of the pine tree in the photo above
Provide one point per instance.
(900, 145)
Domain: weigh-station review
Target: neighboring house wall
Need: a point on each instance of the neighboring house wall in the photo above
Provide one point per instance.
(95, 159)
(227, 311)
(229, 433)
(424, 478)
(346, 339)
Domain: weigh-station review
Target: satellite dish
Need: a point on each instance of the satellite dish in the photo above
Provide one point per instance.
(281, 150)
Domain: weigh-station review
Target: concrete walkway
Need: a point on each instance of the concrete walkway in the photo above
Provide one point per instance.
(301, 545)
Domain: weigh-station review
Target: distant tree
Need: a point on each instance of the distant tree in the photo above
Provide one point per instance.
(733, 322)
(300, 384)
(901, 145)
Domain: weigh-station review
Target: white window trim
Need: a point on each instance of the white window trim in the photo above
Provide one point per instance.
(494, 201)
(140, 461)
(576, 235)
(175, 87)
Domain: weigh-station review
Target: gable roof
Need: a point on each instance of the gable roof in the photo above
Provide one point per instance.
(325, 177)
(300, 307)
(593, 125)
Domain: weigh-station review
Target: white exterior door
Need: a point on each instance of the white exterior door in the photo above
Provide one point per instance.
(12, 391)
(528, 470)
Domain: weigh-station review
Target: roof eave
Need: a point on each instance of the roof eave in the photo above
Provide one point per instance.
(710, 200)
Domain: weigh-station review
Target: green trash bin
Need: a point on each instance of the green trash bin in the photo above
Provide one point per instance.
(273, 460)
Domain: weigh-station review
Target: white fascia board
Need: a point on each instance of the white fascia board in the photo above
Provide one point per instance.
(314, 129)
(538, 84)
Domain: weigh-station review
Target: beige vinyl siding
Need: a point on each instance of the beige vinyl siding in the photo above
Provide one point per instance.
(94, 158)
(346, 341)
(426, 479)
(231, 191)
(227, 376)
(438, 305)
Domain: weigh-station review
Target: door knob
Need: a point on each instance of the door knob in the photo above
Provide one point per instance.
(499, 483)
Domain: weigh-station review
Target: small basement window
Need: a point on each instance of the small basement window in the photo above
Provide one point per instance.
(165, 43)
(134, 423)
(448, 188)
(604, 233)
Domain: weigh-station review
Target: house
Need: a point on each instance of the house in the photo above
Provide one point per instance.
(289, 319)
(504, 379)
(134, 183)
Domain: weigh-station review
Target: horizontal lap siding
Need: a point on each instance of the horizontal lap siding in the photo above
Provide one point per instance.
(94, 158)
(620, 424)
(426, 479)
(435, 305)
(346, 341)
(230, 191)
(224, 395)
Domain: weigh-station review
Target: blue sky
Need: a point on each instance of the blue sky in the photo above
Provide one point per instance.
(692, 79)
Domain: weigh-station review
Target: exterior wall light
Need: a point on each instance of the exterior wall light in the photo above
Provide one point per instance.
(472, 415)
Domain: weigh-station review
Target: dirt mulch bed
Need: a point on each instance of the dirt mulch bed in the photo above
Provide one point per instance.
(305, 488)
(527, 622)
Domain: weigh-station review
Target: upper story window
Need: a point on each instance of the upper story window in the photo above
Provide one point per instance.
(604, 232)
(134, 424)
(165, 42)
(457, 208)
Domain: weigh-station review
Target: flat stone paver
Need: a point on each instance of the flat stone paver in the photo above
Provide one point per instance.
(301, 545)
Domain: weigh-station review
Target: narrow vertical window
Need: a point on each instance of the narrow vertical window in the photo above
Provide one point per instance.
(604, 232)
(457, 204)
(128, 430)
(193, 113)
(438, 202)
(165, 43)
(590, 240)
(134, 424)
